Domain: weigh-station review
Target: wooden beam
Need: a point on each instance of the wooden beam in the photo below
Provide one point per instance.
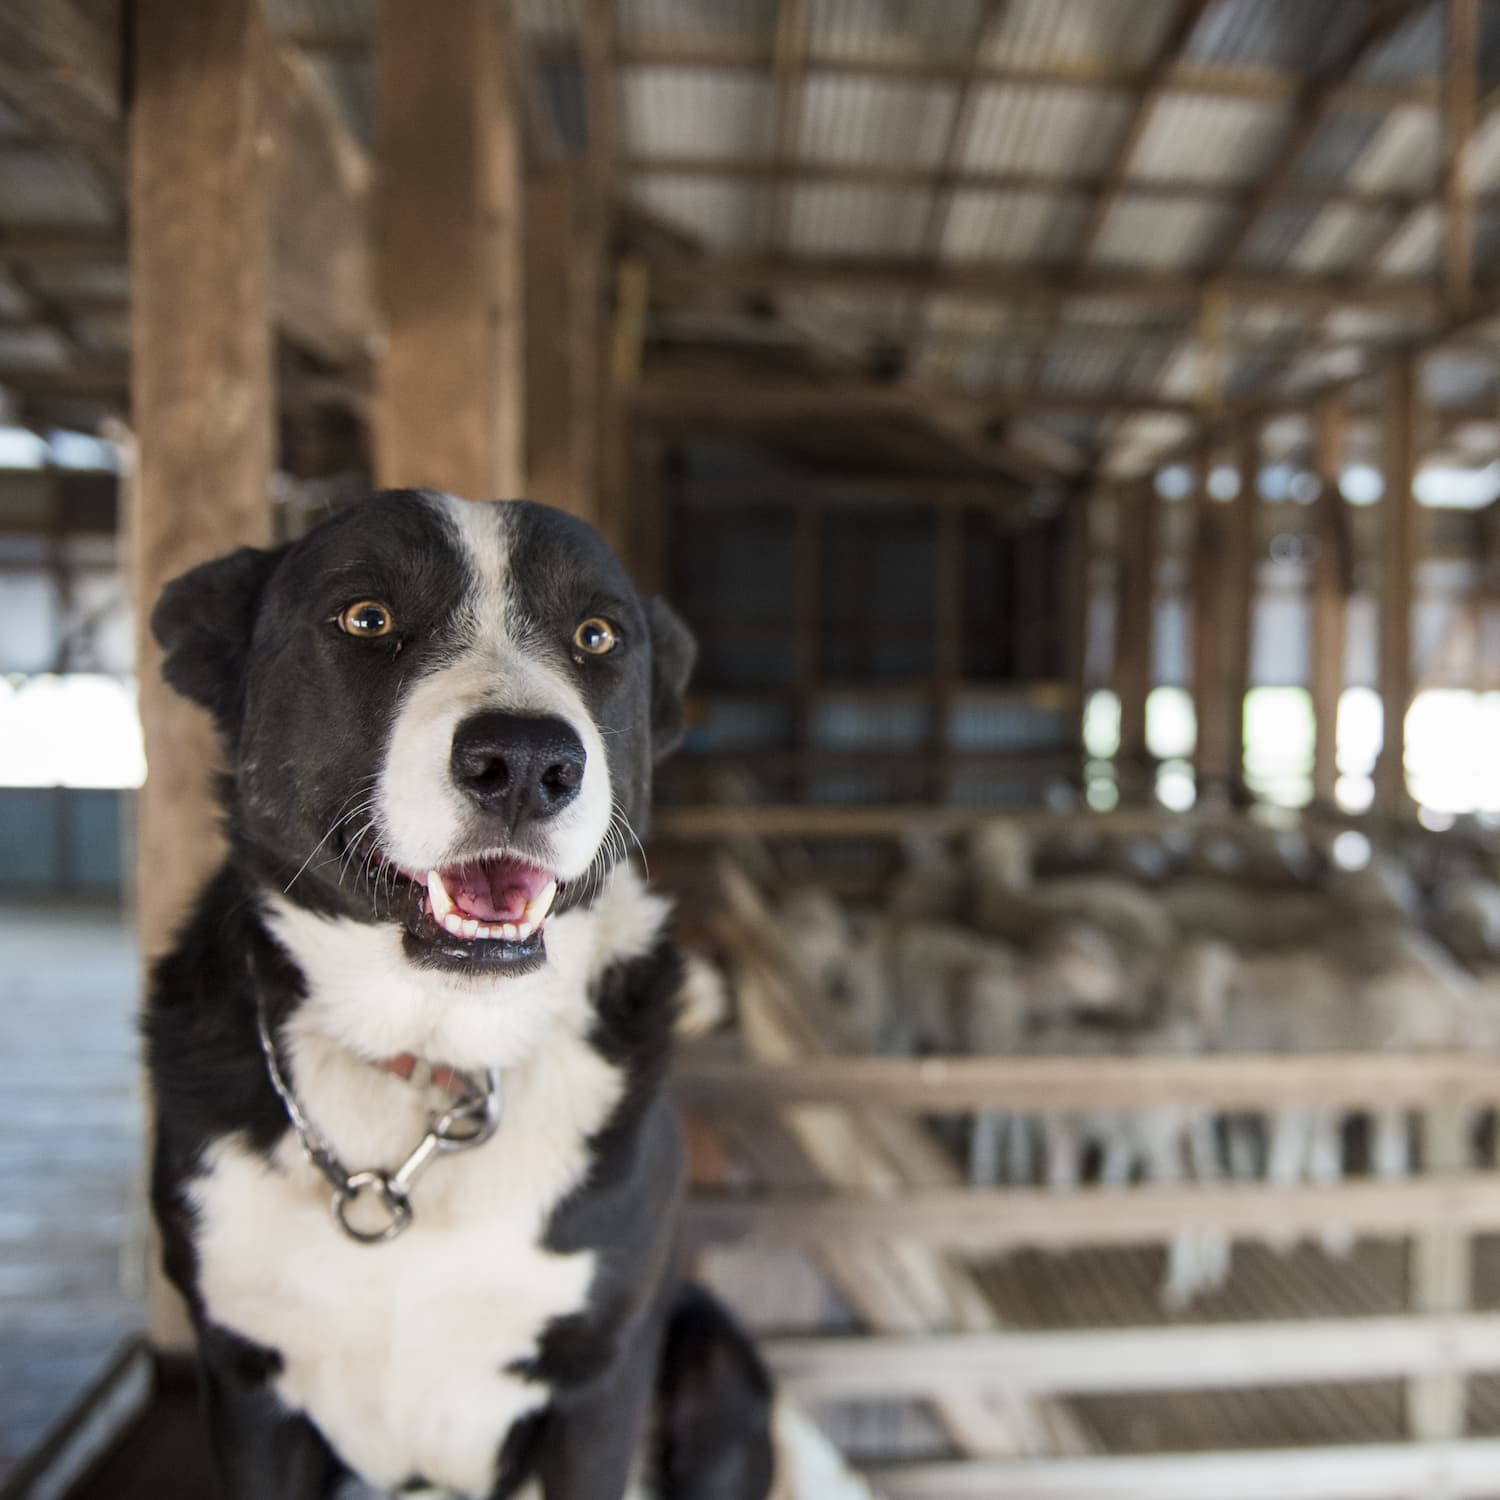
(201, 348)
(1309, 109)
(786, 81)
(983, 1221)
(1041, 1085)
(1332, 582)
(1138, 526)
(450, 387)
(1212, 752)
(1398, 559)
(1461, 85)
(562, 331)
(1350, 1471)
(1242, 559)
(723, 274)
(1109, 1361)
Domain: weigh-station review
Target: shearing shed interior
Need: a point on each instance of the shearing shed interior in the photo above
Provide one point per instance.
(1071, 430)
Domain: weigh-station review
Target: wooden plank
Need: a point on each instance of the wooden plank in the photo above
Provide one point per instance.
(1347, 1472)
(1096, 1362)
(1034, 1085)
(876, 277)
(1397, 561)
(1442, 1280)
(985, 1221)
(450, 387)
(1138, 531)
(200, 260)
(1211, 755)
(1332, 582)
(1242, 558)
(1461, 86)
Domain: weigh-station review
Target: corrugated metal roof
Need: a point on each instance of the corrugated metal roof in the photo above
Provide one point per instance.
(1339, 239)
(1012, 227)
(1414, 50)
(106, 333)
(83, 279)
(1062, 131)
(1457, 378)
(1209, 140)
(1161, 235)
(12, 303)
(1277, 233)
(44, 185)
(857, 221)
(1402, 155)
(549, 20)
(1036, 31)
(351, 82)
(890, 30)
(725, 216)
(876, 121)
(32, 349)
(677, 112)
(1414, 250)
(1302, 35)
(744, 23)
(1086, 371)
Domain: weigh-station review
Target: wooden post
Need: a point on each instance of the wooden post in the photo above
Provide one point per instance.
(449, 401)
(202, 373)
(947, 644)
(562, 346)
(1241, 575)
(809, 542)
(1211, 757)
(1398, 557)
(1460, 87)
(1135, 629)
(1442, 1276)
(1332, 583)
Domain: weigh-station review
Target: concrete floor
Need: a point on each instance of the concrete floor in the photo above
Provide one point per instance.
(72, 1206)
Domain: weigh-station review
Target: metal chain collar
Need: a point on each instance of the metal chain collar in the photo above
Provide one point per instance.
(468, 1123)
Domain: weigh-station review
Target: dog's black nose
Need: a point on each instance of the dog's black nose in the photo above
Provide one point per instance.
(520, 768)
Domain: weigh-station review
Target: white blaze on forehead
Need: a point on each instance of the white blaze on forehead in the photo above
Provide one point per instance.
(496, 665)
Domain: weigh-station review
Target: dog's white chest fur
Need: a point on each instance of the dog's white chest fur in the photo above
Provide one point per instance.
(399, 1352)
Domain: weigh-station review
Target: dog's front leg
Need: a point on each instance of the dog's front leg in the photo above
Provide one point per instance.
(260, 1449)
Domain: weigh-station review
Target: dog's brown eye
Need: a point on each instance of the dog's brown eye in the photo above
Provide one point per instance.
(367, 618)
(597, 637)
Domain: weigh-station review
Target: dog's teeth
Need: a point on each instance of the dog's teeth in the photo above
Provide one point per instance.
(437, 893)
(522, 931)
(541, 904)
(454, 923)
(509, 931)
(485, 931)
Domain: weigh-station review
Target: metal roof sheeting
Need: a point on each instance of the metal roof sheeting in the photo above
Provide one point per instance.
(890, 30)
(1012, 227)
(1106, 31)
(1067, 132)
(857, 221)
(750, 24)
(1170, 235)
(45, 185)
(724, 216)
(875, 121)
(1290, 34)
(1209, 140)
(678, 112)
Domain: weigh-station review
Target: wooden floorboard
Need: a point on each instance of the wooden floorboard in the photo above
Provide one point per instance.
(72, 1216)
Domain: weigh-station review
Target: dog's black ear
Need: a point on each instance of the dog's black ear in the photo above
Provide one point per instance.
(673, 651)
(203, 622)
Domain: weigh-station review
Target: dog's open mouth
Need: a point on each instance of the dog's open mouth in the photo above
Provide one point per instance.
(484, 913)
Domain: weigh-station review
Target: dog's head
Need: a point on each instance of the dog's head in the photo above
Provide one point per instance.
(437, 713)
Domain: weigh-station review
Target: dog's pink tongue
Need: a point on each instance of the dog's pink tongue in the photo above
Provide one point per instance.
(494, 890)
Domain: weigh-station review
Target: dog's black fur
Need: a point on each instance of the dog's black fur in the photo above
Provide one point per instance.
(304, 713)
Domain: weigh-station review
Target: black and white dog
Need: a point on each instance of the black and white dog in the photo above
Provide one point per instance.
(415, 1171)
